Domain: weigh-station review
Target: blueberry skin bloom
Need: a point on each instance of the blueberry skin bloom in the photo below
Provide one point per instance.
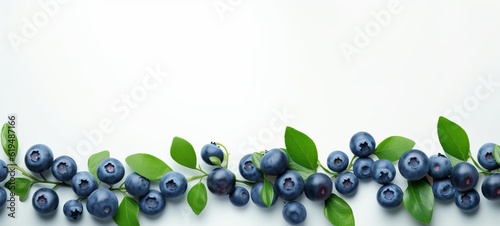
(318, 187)
(64, 168)
(467, 201)
(255, 195)
(221, 181)
(83, 183)
(137, 185)
(413, 165)
(239, 196)
(491, 187)
(290, 185)
(110, 171)
(274, 162)
(389, 196)
(362, 168)
(439, 166)
(211, 150)
(485, 156)
(73, 209)
(443, 190)
(248, 170)
(294, 213)
(337, 161)
(102, 204)
(3, 170)
(464, 176)
(173, 184)
(346, 183)
(3, 197)
(45, 201)
(383, 171)
(362, 144)
(152, 203)
(38, 158)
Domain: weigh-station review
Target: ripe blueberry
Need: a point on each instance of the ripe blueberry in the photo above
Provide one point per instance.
(346, 183)
(294, 213)
(221, 181)
(318, 187)
(248, 170)
(152, 203)
(255, 194)
(274, 162)
(383, 171)
(362, 144)
(110, 171)
(443, 189)
(212, 150)
(3, 197)
(389, 196)
(362, 168)
(73, 209)
(439, 166)
(337, 161)
(464, 176)
(102, 204)
(83, 183)
(413, 165)
(3, 170)
(239, 196)
(136, 185)
(485, 156)
(467, 201)
(45, 201)
(64, 168)
(290, 185)
(173, 184)
(38, 158)
(491, 187)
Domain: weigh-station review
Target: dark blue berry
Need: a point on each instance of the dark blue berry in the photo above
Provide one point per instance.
(294, 213)
(464, 176)
(221, 181)
(137, 185)
(413, 165)
(389, 196)
(467, 201)
(491, 187)
(110, 171)
(239, 196)
(362, 168)
(3, 170)
(3, 197)
(152, 203)
(212, 150)
(83, 183)
(485, 156)
(439, 166)
(362, 144)
(443, 190)
(255, 195)
(337, 161)
(173, 184)
(274, 162)
(383, 171)
(73, 209)
(45, 201)
(318, 187)
(102, 204)
(38, 158)
(346, 183)
(64, 168)
(248, 170)
(290, 185)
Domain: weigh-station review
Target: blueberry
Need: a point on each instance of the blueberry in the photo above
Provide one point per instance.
(443, 189)
(464, 176)
(485, 156)
(255, 194)
(64, 168)
(362, 168)
(294, 213)
(337, 161)
(102, 204)
(212, 150)
(383, 171)
(467, 201)
(152, 203)
(389, 196)
(173, 184)
(3, 170)
(83, 183)
(413, 165)
(110, 171)
(3, 197)
(491, 187)
(73, 209)
(38, 158)
(248, 169)
(346, 183)
(239, 196)
(290, 185)
(136, 185)
(439, 166)
(274, 162)
(362, 144)
(45, 201)
(221, 181)
(318, 187)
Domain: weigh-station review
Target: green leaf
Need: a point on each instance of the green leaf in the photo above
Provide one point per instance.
(301, 149)
(303, 171)
(128, 213)
(453, 139)
(496, 154)
(148, 166)
(215, 160)
(338, 212)
(9, 142)
(197, 198)
(419, 200)
(256, 157)
(183, 153)
(267, 193)
(20, 186)
(393, 147)
(94, 161)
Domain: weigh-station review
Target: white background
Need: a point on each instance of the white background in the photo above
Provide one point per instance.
(241, 71)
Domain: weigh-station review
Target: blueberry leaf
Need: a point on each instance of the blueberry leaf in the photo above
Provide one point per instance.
(453, 139)
(393, 147)
(148, 166)
(215, 160)
(9, 142)
(338, 212)
(496, 154)
(197, 198)
(418, 200)
(20, 186)
(94, 160)
(128, 213)
(301, 149)
(256, 157)
(183, 153)
(267, 193)
(303, 171)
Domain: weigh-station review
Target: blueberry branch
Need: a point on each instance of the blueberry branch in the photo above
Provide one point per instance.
(481, 169)
(333, 174)
(36, 180)
(351, 163)
(226, 154)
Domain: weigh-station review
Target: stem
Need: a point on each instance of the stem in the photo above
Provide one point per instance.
(249, 183)
(24, 172)
(483, 171)
(226, 154)
(41, 175)
(333, 174)
(351, 163)
(192, 178)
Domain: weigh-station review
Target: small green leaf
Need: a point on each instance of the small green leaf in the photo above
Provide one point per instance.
(419, 200)
(267, 193)
(94, 161)
(393, 147)
(148, 166)
(338, 212)
(197, 198)
(256, 157)
(20, 186)
(128, 213)
(496, 154)
(301, 149)
(303, 171)
(183, 153)
(9, 142)
(215, 160)
(453, 139)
